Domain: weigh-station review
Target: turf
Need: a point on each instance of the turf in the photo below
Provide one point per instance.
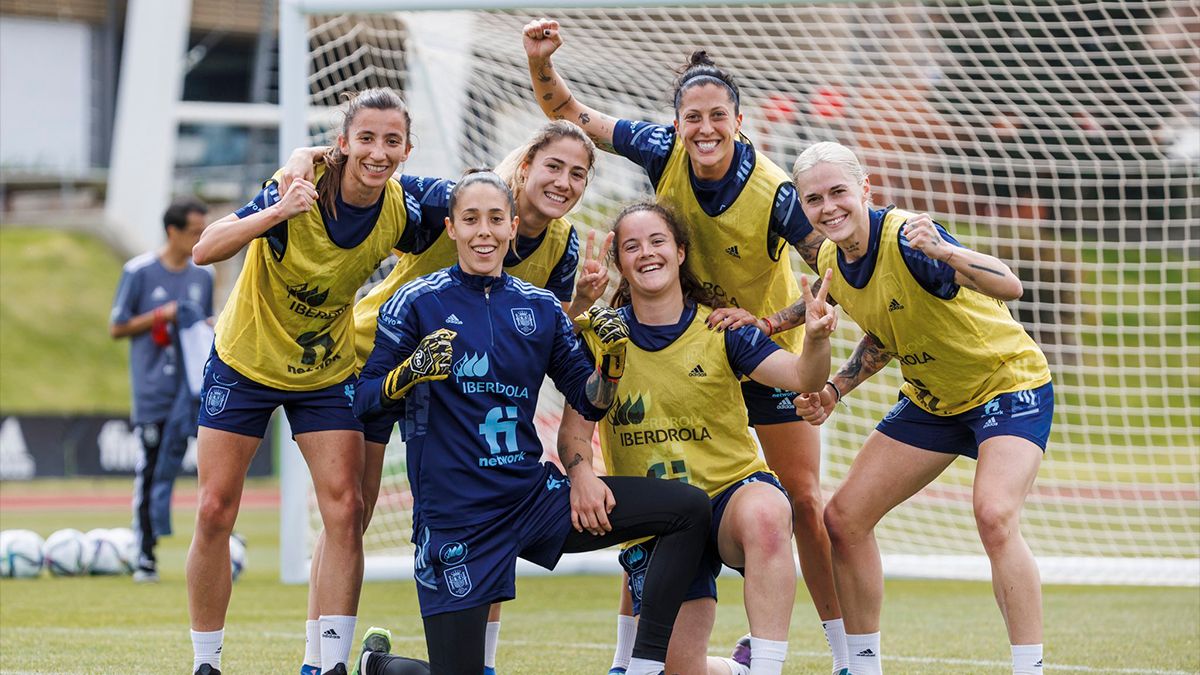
(56, 356)
(556, 625)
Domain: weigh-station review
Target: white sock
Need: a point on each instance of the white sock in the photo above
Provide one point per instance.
(835, 637)
(626, 632)
(312, 643)
(206, 648)
(1027, 659)
(734, 667)
(767, 656)
(645, 667)
(864, 654)
(337, 637)
(490, 642)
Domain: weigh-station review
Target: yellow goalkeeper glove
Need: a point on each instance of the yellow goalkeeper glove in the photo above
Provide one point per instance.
(606, 335)
(429, 362)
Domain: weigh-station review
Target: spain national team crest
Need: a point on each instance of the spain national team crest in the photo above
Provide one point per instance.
(214, 401)
(523, 320)
(458, 581)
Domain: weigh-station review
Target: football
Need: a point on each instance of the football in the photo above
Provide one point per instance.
(68, 553)
(20, 554)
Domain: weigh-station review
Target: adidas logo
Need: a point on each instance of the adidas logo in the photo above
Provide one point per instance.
(990, 423)
(331, 634)
(866, 652)
(732, 250)
(785, 404)
(1038, 664)
(697, 372)
(894, 305)
(454, 320)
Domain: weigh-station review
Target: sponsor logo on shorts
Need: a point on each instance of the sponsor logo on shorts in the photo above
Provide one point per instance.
(458, 580)
(215, 400)
(635, 557)
(523, 320)
(453, 553)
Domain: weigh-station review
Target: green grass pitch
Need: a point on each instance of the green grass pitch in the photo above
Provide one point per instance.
(556, 624)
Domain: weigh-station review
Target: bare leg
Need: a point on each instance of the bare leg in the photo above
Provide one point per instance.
(688, 650)
(222, 461)
(372, 477)
(754, 535)
(884, 474)
(335, 461)
(1006, 471)
(793, 450)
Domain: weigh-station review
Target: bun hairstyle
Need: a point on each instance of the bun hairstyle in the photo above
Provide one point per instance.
(701, 70)
(379, 98)
(693, 288)
(487, 177)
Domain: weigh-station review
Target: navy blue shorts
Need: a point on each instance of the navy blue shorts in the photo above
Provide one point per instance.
(464, 567)
(636, 559)
(379, 430)
(232, 402)
(768, 405)
(1026, 414)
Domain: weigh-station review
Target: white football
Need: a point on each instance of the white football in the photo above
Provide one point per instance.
(68, 553)
(20, 554)
(126, 543)
(106, 556)
(237, 555)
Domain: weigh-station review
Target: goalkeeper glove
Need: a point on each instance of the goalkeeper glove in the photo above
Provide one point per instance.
(606, 334)
(429, 362)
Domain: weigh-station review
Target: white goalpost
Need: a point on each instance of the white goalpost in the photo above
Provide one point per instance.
(1063, 137)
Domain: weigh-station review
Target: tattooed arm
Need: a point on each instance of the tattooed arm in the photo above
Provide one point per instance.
(808, 248)
(591, 498)
(974, 270)
(601, 390)
(868, 358)
(542, 38)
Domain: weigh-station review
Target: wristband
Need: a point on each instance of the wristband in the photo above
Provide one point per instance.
(770, 326)
(836, 391)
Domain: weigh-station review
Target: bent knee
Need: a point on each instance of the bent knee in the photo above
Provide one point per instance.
(997, 524)
(765, 527)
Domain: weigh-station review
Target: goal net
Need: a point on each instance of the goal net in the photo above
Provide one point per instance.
(1062, 137)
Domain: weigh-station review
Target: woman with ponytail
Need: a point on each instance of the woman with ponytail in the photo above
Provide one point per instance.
(548, 175)
(286, 338)
(742, 212)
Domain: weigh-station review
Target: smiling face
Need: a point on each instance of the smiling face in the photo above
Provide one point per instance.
(836, 205)
(708, 126)
(375, 146)
(555, 178)
(648, 255)
(481, 227)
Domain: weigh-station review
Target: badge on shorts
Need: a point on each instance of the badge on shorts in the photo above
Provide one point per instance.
(458, 581)
(215, 401)
(523, 320)
(453, 553)
(635, 557)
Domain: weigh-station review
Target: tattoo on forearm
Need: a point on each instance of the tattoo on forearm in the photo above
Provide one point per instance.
(868, 358)
(564, 103)
(547, 96)
(600, 391)
(989, 270)
(809, 248)
(584, 118)
(541, 73)
(792, 315)
(575, 461)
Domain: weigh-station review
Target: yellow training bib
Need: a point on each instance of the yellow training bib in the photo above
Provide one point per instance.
(954, 354)
(288, 323)
(679, 414)
(731, 253)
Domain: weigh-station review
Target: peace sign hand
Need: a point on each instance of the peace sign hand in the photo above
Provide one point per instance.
(820, 317)
(593, 274)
